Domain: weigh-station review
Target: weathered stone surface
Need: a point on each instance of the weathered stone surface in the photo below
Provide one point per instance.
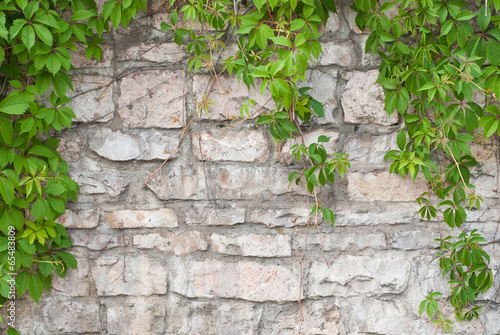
(320, 318)
(79, 60)
(339, 53)
(413, 240)
(370, 214)
(174, 243)
(363, 100)
(136, 316)
(283, 217)
(214, 216)
(384, 187)
(344, 242)
(212, 317)
(152, 99)
(310, 137)
(124, 146)
(228, 97)
(136, 276)
(99, 182)
(242, 280)
(75, 284)
(240, 145)
(79, 219)
(252, 245)
(324, 89)
(153, 218)
(92, 101)
(332, 25)
(358, 275)
(227, 182)
(158, 53)
(100, 241)
(485, 186)
(370, 149)
(57, 315)
(71, 144)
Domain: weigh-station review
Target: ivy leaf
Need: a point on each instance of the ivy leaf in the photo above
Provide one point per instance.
(53, 63)
(35, 287)
(43, 34)
(6, 130)
(14, 105)
(68, 258)
(6, 190)
(281, 40)
(28, 37)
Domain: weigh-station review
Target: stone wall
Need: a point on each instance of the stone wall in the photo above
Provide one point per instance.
(213, 244)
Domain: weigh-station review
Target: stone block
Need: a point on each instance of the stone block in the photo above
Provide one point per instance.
(179, 243)
(153, 99)
(79, 219)
(92, 99)
(135, 276)
(282, 217)
(75, 284)
(136, 316)
(363, 100)
(213, 216)
(344, 242)
(226, 317)
(226, 182)
(242, 280)
(324, 89)
(370, 149)
(372, 214)
(240, 145)
(72, 144)
(358, 276)
(124, 146)
(414, 240)
(152, 218)
(252, 245)
(382, 186)
(228, 96)
(342, 53)
(158, 53)
(100, 241)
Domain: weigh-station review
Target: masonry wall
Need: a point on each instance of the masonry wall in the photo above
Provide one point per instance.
(213, 245)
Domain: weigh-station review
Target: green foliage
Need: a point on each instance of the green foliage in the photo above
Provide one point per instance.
(436, 56)
(276, 41)
(36, 38)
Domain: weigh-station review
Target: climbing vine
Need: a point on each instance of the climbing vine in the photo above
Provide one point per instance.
(436, 58)
(36, 38)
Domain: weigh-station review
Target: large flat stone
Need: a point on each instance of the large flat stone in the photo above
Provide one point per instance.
(135, 276)
(136, 316)
(158, 53)
(147, 218)
(124, 146)
(282, 217)
(92, 100)
(179, 243)
(363, 100)
(153, 99)
(240, 145)
(252, 245)
(213, 216)
(342, 53)
(359, 275)
(242, 280)
(79, 219)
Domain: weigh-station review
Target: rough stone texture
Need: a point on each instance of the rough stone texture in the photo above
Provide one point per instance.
(370, 149)
(363, 100)
(359, 275)
(241, 145)
(412, 240)
(122, 146)
(324, 86)
(79, 219)
(228, 182)
(213, 216)
(92, 100)
(99, 242)
(75, 284)
(384, 187)
(228, 96)
(113, 276)
(282, 217)
(344, 242)
(158, 53)
(341, 53)
(155, 218)
(173, 243)
(242, 280)
(252, 245)
(152, 99)
(143, 316)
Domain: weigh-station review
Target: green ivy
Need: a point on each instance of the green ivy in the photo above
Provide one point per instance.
(36, 38)
(435, 57)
